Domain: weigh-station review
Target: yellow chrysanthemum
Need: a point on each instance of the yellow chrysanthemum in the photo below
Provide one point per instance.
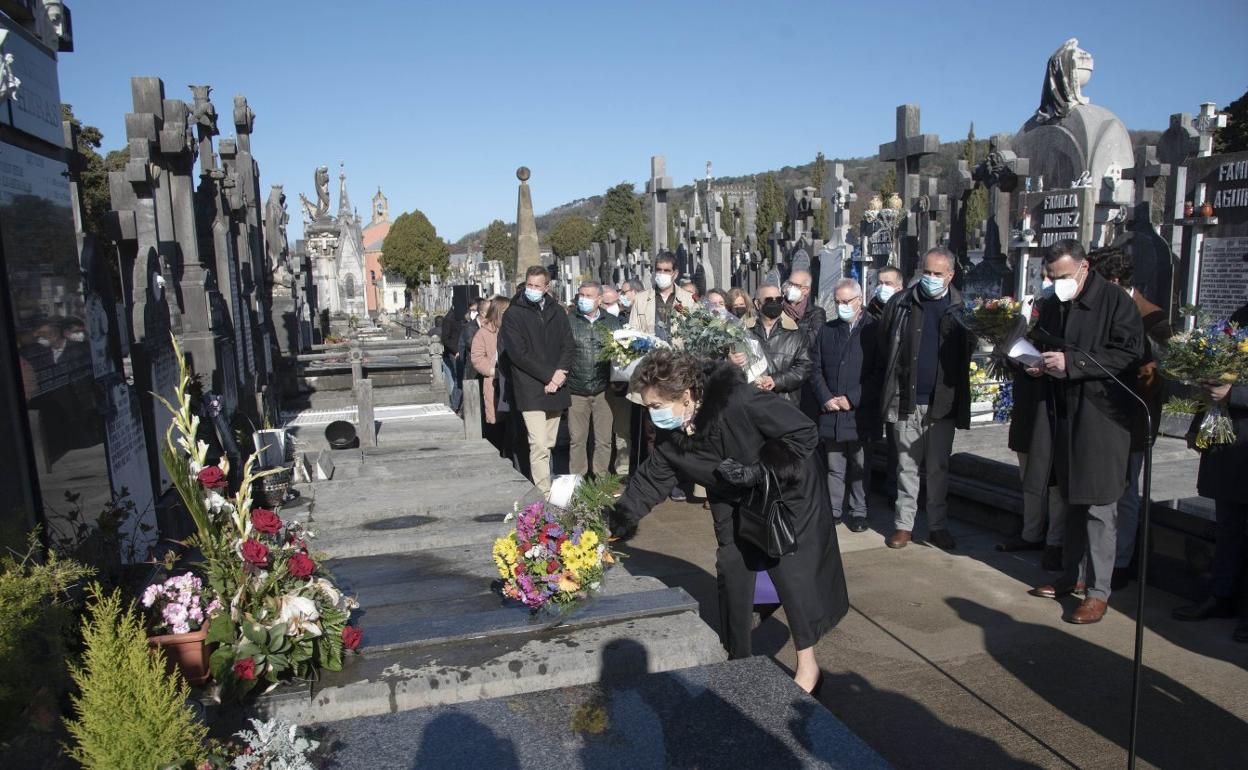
(505, 555)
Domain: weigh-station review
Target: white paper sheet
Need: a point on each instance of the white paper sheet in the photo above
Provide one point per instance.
(1025, 353)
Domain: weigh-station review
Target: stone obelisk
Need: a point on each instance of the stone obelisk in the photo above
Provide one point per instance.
(527, 254)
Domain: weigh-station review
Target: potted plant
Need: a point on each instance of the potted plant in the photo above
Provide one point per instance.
(178, 609)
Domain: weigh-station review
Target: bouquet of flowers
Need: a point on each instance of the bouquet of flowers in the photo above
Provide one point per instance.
(1212, 353)
(709, 335)
(276, 612)
(555, 556)
(624, 348)
(179, 604)
(997, 321)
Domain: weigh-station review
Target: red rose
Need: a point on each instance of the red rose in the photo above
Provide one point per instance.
(300, 565)
(212, 477)
(256, 553)
(552, 567)
(351, 637)
(245, 668)
(265, 521)
(519, 568)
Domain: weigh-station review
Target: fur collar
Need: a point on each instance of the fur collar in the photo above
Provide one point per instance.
(786, 322)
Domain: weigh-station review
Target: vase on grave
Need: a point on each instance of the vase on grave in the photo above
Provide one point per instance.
(1189, 210)
(186, 653)
(1206, 209)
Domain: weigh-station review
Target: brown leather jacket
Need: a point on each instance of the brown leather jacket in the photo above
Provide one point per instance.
(1157, 333)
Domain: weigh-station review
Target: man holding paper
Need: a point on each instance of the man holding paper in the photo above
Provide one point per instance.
(1081, 438)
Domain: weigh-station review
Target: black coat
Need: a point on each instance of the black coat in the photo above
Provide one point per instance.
(812, 321)
(740, 422)
(901, 329)
(847, 362)
(788, 355)
(1223, 471)
(1089, 462)
(534, 343)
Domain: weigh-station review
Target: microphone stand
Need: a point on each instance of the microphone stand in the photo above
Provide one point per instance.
(1137, 665)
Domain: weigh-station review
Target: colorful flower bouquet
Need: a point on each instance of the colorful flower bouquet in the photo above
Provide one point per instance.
(1212, 353)
(997, 321)
(624, 348)
(557, 556)
(278, 613)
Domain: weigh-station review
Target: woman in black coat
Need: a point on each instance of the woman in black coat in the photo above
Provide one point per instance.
(715, 430)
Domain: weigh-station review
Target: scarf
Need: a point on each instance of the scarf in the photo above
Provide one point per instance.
(798, 310)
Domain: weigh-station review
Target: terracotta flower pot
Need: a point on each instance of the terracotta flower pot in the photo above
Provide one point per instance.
(186, 652)
(1206, 209)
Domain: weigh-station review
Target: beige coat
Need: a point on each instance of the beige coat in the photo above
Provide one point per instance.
(641, 315)
(484, 356)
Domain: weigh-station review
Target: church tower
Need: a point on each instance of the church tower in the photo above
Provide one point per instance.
(381, 209)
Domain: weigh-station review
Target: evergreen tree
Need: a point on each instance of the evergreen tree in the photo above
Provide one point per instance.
(622, 211)
(93, 176)
(499, 246)
(817, 174)
(570, 235)
(977, 202)
(671, 228)
(1234, 137)
(770, 208)
(889, 186)
(413, 249)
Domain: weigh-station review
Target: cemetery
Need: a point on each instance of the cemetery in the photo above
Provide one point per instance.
(195, 354)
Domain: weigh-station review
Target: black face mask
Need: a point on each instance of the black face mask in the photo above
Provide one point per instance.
(739, 312)
(772, 308)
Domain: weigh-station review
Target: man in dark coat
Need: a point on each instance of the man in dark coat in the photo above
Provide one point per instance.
(784, 346)
(539, 350)
(467, 331)
(846, 382)
(451, 326)
(1223, 476)
(800, 305)
(588, 380)
(926, 392)
(1082, 439)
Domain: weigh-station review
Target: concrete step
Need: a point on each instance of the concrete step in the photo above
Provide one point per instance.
(542, 659)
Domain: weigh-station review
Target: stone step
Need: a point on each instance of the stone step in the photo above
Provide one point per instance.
(742, 713)
(411, 678)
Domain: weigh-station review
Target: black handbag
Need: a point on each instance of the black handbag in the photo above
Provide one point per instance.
(764, 519)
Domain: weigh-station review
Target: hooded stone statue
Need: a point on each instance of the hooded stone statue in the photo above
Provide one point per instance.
(1070, 67)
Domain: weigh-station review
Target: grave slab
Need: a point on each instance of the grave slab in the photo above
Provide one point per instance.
(743, 713)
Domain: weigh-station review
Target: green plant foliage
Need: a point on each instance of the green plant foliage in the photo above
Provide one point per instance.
(36, 620)
(622, 212)
(817, 174)
(770, 208)
(571, 236)
(128, 712)
(499, 246)
(977, 202)
(1234, 136)
(412, 249)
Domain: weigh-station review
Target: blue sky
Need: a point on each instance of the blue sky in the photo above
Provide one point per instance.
(439, 103)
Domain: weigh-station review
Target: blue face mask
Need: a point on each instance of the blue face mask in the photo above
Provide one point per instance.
(933, 287)
(586, 306)
(625, 301)
(884, 292)
(533, 295)
(1047, 290)
(845, 312)
(665, 420)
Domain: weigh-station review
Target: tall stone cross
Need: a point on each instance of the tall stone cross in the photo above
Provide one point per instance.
(1207, 123)
(961, 185)
(906, 150)
(1145, 173)
(931, 205)
(838, 195)
(1000, 172)
(657, 189)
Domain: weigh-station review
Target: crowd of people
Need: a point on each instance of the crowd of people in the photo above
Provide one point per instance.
(886, 375)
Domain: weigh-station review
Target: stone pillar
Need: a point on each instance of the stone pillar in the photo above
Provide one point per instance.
(527, 253)
(657, 189)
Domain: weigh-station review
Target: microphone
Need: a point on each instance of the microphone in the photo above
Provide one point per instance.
(1044, 337)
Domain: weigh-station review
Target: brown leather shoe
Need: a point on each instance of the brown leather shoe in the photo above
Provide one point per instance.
(1090, 610)
(900, 539)
(1055, 591)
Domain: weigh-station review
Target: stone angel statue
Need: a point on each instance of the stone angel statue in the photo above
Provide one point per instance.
(1068, 71)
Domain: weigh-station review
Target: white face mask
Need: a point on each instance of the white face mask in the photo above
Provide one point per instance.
(793, 293)
(663, 280)
(1066, 288)
(612, 309)
(77, 336)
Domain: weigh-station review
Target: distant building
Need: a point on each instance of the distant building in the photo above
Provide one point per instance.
(336, 247)
(374, 236)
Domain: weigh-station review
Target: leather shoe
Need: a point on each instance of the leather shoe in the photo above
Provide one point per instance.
(942, 539)
(857, 524)
(1090, 610)
(1056, 592)
(1052, 559)
(1212, 607)
(900, 539)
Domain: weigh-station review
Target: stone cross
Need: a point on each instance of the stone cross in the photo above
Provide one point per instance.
(906, 150)
(1207, 123)
(838, 195)
(961, 186)
(931, 205)
(657, 189)
(1145, 173)
(1000, 172)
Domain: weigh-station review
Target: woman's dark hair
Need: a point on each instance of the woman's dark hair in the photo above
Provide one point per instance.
(670, 373)
(1114, 264)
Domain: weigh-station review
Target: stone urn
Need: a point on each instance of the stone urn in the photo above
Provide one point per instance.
(185, 652)
(1206, 209)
